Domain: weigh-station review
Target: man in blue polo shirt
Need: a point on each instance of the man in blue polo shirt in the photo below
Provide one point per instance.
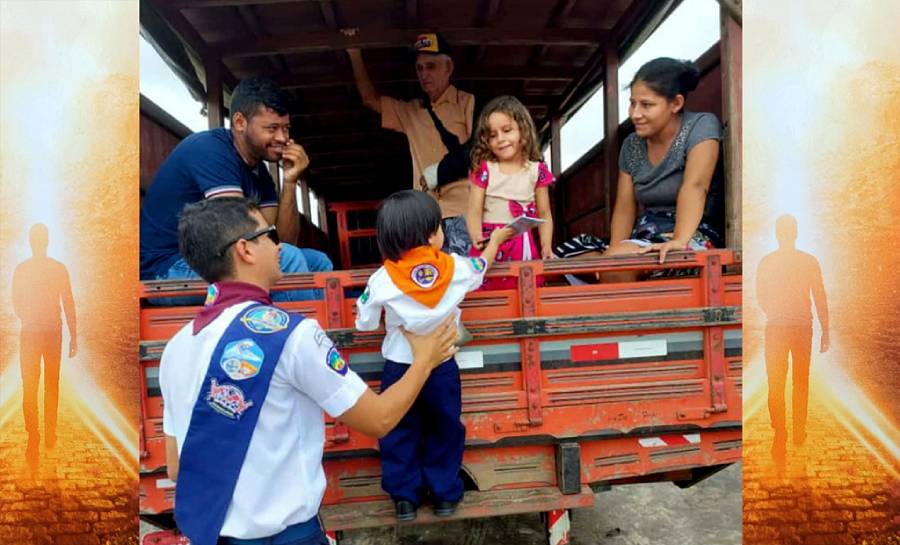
(223, 162)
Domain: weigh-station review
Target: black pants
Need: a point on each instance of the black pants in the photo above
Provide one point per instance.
(423, 453)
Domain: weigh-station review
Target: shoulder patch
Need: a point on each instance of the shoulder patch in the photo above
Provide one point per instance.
(478, 264)
(364, 298)
(336, 362)
(265, 319)
(242, 359)
(321, 338)
(425, 275)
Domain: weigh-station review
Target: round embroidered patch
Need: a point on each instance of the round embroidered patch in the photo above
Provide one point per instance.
(478, 263)
(227, 399)
(265, 319)
(336, 362)
(425, 275)
(242, 359)
(212, 293)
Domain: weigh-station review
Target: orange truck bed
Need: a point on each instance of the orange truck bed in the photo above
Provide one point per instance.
(564, 387)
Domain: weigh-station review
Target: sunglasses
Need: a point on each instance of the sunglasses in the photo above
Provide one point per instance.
(269, 231)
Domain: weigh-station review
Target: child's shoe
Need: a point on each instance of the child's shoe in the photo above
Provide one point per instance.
(445, 508)
(406, 510)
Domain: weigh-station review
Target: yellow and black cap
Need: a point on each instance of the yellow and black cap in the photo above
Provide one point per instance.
(430, 43)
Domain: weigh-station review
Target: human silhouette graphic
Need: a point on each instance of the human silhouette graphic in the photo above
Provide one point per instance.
(40, 284)
(787, 280)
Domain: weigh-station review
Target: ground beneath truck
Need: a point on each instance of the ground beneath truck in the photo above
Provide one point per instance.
(645, 514)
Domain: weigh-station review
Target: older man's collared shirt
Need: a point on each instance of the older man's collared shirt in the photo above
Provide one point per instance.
(455, 109)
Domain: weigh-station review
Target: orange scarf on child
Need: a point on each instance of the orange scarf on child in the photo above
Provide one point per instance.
(422, 273)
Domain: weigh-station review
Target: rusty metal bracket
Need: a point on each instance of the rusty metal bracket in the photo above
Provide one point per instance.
(714, 337)
(531, 351)
(334, 303)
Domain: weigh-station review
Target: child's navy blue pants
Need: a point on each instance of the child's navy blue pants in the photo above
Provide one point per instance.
(424, 452)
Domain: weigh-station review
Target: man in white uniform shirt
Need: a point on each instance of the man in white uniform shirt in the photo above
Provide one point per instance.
(244, 386)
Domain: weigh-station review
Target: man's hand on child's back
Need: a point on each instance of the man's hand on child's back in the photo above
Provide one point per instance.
(436, 347)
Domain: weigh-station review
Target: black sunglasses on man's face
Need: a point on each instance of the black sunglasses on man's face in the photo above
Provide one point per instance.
(269, 231)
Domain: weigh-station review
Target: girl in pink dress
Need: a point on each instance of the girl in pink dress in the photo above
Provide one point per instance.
(509, 180)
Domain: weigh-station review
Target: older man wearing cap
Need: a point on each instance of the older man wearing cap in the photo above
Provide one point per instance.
(436, 129)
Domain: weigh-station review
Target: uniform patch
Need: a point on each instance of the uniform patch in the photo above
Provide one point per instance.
(242, 359)
(364, 298)
(478, 263)
(212, 293)
(336, 362)
(425, 275)
(227, 399)
(321, 338)
(265, 319)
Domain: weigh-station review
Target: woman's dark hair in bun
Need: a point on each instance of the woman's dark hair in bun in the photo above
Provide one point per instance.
(668, 77)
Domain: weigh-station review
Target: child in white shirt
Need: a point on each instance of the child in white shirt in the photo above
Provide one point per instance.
(418, 288)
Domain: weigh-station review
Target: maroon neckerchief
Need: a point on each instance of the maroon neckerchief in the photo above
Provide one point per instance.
(222, 295)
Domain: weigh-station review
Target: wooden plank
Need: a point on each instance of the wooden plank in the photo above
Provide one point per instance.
(634, 15)
(475, 504)
(461, 73)
(732, 91)
(304, 197)
(487, 20)
(248, 16)
(732, 8)
(215, 103)
(329, 14)
(412, 13)
(560, 13)
(191, 38)
(391, 37)
(556, 146)
(611, 125)
(195, 4)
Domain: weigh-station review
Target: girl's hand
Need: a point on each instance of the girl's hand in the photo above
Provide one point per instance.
(478, 243)
(499, 236)
(547, 253)
(664, 248)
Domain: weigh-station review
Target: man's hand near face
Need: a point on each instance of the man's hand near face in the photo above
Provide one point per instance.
(295, 161)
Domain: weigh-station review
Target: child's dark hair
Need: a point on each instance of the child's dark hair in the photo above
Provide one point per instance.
(406, 220)
(510, 106)
(668, 77)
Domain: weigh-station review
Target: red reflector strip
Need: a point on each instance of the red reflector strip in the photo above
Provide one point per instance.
(674, 440)
(594, 352)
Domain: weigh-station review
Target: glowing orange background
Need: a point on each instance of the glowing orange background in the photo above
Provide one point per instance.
(69, 149)
(821, 142)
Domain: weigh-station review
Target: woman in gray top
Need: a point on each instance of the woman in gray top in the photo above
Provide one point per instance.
(666, 167)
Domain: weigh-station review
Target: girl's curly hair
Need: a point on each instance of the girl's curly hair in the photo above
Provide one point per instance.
(510, 106)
